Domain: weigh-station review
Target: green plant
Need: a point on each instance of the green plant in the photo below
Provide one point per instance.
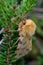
(8, 10)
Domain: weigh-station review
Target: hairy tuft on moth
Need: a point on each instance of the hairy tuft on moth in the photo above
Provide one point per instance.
(26, 31)
(29, 27)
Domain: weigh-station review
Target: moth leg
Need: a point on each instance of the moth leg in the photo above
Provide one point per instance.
(16, 41)
(13, 31)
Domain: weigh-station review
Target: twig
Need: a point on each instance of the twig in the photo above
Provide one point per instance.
(7, 57)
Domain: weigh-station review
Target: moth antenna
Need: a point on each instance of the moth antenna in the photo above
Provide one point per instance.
(17, 23)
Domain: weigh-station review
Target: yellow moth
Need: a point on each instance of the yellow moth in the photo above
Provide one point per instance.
(26, 31)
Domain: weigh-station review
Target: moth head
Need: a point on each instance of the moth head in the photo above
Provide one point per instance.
(30, 27)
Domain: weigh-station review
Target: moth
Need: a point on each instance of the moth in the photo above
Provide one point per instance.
(26, 31)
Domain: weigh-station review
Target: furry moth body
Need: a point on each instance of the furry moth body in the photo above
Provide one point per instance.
(26, 31)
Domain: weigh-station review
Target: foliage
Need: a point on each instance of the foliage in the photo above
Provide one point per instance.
(8, 10)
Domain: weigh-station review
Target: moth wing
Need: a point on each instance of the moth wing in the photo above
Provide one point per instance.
(23, 49)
